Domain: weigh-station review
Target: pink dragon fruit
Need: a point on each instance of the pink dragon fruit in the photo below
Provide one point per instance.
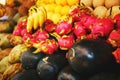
(88, 21)
(27, 37)
(117, 20)
(41, 35)
(22, 23)
(17, 31)
(114, 38)
(116, 54)
(77, 12)
(66, 42)
(20, 29)
(93, 36)
(103, 27)
(48, 21)
(79, 30)
(63, 28)
(50, 27)
(47, 46)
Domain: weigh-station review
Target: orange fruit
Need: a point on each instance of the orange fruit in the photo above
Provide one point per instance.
(50, 7)
(63, 2)
(49, 15)
(65, 10)
(58, 2)
(58, 9)
(72, 2)
(56, 17)
(51, 1)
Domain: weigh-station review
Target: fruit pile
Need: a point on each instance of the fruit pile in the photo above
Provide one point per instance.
(79, 46)
(57, 9)
(103, 8)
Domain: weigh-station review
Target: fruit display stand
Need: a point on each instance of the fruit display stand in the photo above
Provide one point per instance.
(60, 40)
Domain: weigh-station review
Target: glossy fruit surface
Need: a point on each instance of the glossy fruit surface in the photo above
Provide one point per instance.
(90, 56)
(30, 60)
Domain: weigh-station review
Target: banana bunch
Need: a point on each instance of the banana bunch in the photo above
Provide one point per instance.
(36, 18)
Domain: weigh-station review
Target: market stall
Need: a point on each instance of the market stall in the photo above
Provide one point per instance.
(59, 39)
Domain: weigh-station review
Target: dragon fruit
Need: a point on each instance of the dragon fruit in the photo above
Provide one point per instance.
(117, 20)
(103, 27)
(20, 28)
(114, 38)
(41, 35)
(66, 42)
(79, 30)
(63, 28)
(116, 54)
(50, 27)
(17, 31)
(47, 46)
(88, 21)
(77, 12)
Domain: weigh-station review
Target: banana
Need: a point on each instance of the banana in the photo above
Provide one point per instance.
(42, 15)
(30, 23)
(37, 17)
(41, 18)
(44, 11)
(36, 21)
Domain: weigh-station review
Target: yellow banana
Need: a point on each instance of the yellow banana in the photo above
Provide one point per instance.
(42, 15)
(44, 11)
(41, 18)
(36, 21)
(30, 23)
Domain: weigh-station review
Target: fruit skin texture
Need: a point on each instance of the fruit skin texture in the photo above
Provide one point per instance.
(49, 66)
(29, 60)
(63, 28)
(26, 75)
(114, 38)
(100, 11)
(116, 54)
(87, 58)
(111, 12)
(66, 42)
(87, 2)
(110, 3)
(98, 3)
(117, 20)
(67, 73)
(79, 30)
(103, 27)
